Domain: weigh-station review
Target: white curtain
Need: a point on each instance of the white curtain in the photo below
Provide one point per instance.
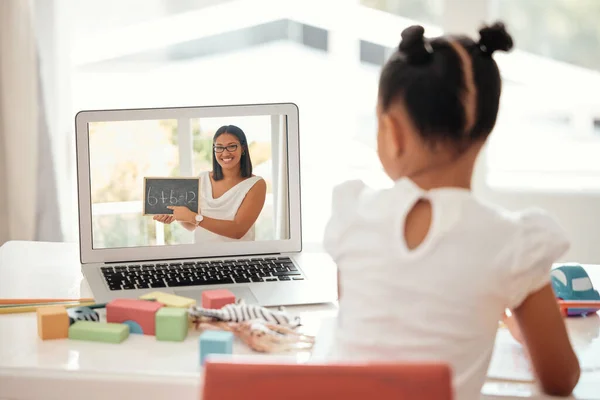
(28, 199)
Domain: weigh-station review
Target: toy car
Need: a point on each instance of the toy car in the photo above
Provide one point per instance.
(572, 283)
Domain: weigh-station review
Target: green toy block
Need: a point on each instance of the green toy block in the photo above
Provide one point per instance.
(99, 331)
(171, 324)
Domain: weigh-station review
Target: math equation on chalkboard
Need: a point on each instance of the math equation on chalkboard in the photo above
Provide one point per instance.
(173, 198)
(160, 193)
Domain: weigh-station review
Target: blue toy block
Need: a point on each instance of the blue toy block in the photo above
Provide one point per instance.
(215, 342)
(134, 327)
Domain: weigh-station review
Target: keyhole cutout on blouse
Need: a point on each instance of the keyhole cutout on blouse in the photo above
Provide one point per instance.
(417, 224)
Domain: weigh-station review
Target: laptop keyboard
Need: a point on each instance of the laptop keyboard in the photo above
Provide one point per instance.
(195, 273)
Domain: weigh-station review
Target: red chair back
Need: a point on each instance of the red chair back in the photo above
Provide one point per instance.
(226, 380)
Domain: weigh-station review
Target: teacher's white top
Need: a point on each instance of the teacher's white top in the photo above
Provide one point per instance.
(224, 207)
(441, 301)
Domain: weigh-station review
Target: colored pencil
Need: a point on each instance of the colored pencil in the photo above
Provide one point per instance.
(33, 308)
(60, 303)
(41, 301)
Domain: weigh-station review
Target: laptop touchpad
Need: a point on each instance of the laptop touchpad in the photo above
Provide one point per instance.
(240, 292)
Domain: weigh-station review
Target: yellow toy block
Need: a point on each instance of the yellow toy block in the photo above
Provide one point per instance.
(169, 300)
(52, 322)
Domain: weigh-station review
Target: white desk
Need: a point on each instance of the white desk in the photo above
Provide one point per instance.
(142, 367)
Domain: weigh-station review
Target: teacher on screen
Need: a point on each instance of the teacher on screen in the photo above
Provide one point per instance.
(231, 198)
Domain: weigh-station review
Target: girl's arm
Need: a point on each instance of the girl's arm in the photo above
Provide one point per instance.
(246, 215)
(544, 334)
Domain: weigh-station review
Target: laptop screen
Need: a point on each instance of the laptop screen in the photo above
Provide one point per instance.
(150, 178)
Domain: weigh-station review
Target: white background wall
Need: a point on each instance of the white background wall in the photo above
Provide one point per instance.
(578, 214)
(578, 211)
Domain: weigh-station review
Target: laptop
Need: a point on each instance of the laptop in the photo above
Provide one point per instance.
(133, 164)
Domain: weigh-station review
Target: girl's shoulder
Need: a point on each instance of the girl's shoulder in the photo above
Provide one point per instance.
(357, 196)
(542, 236)
(539, 242)
(534, 228)
(539, 221)
(351, 202)
(347, 192)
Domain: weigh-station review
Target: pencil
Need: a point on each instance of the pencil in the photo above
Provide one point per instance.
(33, 308)
(62, 303)
(41, 301)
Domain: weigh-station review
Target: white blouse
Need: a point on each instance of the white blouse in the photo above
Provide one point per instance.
(224, 207)
(441, 301)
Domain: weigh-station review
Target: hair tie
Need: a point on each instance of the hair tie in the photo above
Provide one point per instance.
(413, 45)
(494, 38)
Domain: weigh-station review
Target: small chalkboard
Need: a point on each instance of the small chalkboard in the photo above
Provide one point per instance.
(160, 193)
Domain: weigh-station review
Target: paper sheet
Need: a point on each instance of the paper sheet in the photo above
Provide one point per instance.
(509, 361)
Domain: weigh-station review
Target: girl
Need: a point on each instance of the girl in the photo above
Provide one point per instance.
(231, 198)
(425, 268)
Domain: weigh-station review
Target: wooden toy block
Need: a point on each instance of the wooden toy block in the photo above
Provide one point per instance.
(82, 314)
(99, 331)
(52, 322)
(171, 324)
(134, 327)
(169, 300)
(139, 315)
(217, 298)
(215, 342)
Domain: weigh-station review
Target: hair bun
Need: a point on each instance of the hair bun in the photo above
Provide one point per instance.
(413, 45)
(495, 37)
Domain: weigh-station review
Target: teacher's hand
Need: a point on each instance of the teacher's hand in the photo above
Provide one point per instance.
(181, 213)
(164, 218)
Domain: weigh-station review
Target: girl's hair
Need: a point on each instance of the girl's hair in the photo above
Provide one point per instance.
(245, 162)
(449, 86)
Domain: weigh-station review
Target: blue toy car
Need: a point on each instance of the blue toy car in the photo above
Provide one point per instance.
(572, 283)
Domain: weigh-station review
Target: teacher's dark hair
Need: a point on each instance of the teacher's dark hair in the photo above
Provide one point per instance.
(245, 161)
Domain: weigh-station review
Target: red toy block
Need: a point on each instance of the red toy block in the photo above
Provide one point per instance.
(217, 298)
(142, 312)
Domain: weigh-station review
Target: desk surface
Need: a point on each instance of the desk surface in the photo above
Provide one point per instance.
(34, 269)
